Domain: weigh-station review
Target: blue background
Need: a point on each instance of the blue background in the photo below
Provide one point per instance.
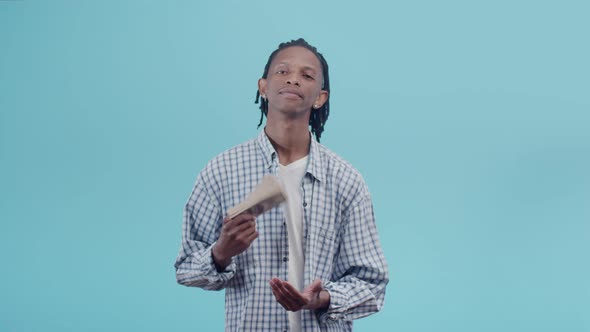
(470, 121)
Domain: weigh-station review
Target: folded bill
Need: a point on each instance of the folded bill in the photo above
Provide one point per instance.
(267, 194)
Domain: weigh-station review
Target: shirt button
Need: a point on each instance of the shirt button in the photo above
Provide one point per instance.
(285, 258)
(304, 204)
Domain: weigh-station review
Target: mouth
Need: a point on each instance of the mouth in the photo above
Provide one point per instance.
(290, 93)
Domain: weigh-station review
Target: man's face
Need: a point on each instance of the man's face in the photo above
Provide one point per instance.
(294, 81)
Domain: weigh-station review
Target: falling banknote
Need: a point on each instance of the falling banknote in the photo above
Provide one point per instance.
(267, 194)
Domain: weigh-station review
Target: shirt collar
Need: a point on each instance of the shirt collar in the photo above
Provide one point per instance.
(314, 165)
(268, 151)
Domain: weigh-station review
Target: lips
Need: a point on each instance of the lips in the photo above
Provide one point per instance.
(290, 92)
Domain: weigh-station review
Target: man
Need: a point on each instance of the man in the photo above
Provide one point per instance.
(313, 264)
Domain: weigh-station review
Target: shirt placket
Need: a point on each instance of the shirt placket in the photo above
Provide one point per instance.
(307, 189)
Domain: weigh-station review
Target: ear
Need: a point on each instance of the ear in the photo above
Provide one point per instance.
(262, 83)
(322, 98)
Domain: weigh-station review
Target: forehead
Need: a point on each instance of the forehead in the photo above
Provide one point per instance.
(298, 56)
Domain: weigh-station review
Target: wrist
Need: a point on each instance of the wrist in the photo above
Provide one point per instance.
(221, 261)
(321, 301)
(324, 299)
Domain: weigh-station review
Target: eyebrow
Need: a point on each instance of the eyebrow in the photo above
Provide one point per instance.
(304, 67)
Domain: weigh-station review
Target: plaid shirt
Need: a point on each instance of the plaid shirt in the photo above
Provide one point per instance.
(340, 240)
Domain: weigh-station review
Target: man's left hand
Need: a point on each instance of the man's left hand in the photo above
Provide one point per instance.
(312, 297)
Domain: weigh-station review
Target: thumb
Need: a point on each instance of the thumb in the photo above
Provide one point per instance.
(316, 286)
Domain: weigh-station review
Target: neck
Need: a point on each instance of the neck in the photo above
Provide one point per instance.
(290, 139)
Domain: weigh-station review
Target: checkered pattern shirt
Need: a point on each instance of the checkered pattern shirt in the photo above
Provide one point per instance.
(340, 240)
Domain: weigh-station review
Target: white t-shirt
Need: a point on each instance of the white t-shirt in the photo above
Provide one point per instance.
(291, 177)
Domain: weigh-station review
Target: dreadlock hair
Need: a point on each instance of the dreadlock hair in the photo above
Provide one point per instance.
(318, 117)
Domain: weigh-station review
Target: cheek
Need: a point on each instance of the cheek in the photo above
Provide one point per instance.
(316, 94)
(313, 89)
(273, 85)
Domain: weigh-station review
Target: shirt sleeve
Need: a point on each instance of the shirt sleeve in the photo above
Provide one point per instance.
(361, 273)
(202, 221)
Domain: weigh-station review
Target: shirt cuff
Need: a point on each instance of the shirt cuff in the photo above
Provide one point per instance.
(224, 275)
(202, 272)
(338, 304)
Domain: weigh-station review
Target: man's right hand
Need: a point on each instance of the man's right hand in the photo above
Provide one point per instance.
(236, 236)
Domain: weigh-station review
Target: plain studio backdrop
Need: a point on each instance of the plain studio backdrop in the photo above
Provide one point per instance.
(470, 121)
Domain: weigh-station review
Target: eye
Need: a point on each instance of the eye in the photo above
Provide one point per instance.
(281, 72)
(309, 77)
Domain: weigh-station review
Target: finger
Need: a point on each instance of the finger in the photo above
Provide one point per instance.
(252, 237)
(291, 295)
(230, 223)
(242, 240)
(282, 298)
(315, 287)
(278, 295)
(312, 292)
(246, 238)
(244, 226)
(244, 216)
(295, 296)
(239, 216)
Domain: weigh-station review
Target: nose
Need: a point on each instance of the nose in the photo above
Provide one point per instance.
(292, 79)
